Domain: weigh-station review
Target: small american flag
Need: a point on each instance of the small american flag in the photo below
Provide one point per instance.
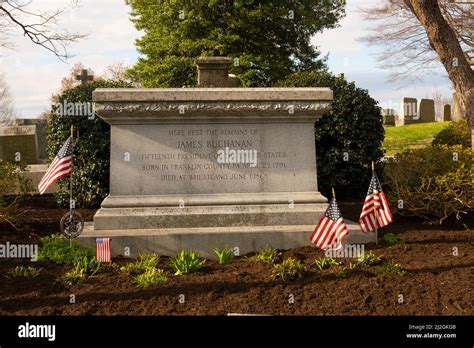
(103, 249)
(375, 212)
(59, 168)
(330, 229)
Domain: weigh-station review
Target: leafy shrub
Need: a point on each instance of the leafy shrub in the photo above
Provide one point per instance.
(12, 181)
(265, 255)
(144, 263)
(392, 268)
(325, 263)
(369, 259)
(23, 272)
(151, 277)
(224, 255)
(91, 149)
(353, 126)
(289, 269)
(56, 249)
(433, 183)
(456, 133)
(185, 262)
(83, 268)
(390, 239)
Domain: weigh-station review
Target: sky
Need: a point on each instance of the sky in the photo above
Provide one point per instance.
(34, 74)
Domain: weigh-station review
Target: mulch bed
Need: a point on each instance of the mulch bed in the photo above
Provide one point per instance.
(437, 282)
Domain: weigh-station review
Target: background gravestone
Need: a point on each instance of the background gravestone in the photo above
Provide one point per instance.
(408, 111)
(41, 134)
(389, 116)
(426, 111)
(20, 140)
(446, 112)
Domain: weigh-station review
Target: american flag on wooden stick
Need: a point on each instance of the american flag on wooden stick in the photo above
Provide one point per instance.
(59, 168)
(375, 212)
(102, 249)
(330, 229)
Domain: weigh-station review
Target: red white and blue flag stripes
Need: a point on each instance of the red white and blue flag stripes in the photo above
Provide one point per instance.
(103, 249)
(331, 228)
(375, 212)
(59, 168)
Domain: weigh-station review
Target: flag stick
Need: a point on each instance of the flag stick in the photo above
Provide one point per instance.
(333, 193)
(70, 177)
(70, 187)
(376, 214)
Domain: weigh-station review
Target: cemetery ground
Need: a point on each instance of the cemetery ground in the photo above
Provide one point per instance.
(433, 279)
(413, 136)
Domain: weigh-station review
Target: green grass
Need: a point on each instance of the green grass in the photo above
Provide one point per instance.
(412, 136)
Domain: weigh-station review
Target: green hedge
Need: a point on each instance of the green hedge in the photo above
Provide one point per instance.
(348, 138)
(91, 149)
(433, 183)
(457, 133)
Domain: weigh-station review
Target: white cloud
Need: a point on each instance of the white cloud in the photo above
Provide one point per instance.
(343, 40)
(34, 74)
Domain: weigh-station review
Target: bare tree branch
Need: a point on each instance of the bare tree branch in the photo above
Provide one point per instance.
(407, 52)
(37, 27)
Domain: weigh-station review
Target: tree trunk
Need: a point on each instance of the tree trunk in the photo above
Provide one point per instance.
(456, 112)
(444, 41)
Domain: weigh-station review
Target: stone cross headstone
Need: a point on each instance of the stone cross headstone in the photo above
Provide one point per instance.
(408, 111)
(446, 112)
(84, 77)
(19, 144)
(426, 111)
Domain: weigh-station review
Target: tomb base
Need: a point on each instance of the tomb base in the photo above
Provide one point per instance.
(248, 239)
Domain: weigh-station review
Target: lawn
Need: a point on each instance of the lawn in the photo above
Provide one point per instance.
(412, 136)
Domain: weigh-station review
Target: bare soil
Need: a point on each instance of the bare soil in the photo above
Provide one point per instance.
(437, 281)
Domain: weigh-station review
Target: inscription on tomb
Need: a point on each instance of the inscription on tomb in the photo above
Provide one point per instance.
(169, 159)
